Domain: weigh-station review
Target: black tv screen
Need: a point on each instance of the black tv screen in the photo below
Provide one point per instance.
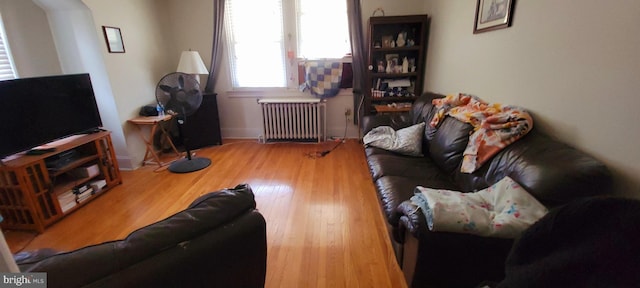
(36, 111)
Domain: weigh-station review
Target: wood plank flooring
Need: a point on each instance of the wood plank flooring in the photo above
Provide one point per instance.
(324, 225)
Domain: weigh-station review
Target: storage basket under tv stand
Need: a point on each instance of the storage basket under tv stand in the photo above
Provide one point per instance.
(29, 190)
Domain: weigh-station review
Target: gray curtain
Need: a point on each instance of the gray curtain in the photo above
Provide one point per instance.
(358, 51)
(216, 52)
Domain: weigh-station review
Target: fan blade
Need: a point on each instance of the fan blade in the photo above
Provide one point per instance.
(165, 88)
(181, 82)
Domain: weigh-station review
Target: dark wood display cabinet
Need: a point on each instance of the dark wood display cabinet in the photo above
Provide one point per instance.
(38, 190)
(395, 62)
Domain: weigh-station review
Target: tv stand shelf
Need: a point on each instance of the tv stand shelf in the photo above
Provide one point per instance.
(30, 191)
(73, 165)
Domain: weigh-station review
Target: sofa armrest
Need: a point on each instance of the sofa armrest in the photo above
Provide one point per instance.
(26, 257)
(437, 259)
(411, 218)
(395, 120)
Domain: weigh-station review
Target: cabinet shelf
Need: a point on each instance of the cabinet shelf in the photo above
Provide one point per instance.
(80, 204)
(75, 164)
(395, 49)
(67, 183)
(382, 57)
(393, 75)
(393, 99)
(386, 109)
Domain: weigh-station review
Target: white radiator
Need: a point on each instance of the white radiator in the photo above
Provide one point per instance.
(289, 119)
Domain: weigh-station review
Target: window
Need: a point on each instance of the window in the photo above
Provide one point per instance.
(7, 70)
(265, 36)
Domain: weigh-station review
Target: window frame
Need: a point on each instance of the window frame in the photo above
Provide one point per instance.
(7, 51)
(291, 47)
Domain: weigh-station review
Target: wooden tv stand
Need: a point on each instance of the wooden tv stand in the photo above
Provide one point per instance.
(30, 191)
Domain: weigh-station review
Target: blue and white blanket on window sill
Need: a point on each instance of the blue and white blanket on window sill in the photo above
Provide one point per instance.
(503, 210)
(323, 78)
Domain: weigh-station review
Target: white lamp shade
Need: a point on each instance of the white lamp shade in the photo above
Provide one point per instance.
(191, 63)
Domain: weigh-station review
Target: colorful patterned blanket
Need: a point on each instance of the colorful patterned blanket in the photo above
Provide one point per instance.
(495, 126)
(323, 78)
(503, 210)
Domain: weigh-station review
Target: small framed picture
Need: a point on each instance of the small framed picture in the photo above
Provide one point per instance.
(113, 36)
(386, 41)
(492, 15)
(392, 63)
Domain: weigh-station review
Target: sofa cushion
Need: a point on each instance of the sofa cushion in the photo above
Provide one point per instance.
(393, 190)
(399, 165)
(205, 213)
(423, 110)
(448, 144)
(551, 171)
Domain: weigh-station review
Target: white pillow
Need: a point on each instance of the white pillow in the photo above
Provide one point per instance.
(406, 141)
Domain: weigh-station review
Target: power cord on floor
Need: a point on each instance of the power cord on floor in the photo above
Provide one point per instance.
(320, 154)
(28, 242)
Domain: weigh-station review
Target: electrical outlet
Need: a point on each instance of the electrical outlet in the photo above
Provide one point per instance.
(347, 113)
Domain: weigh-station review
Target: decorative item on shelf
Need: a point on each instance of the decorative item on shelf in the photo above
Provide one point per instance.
(392, 63)
(381, 66)
(405, 65)
(411, 38)
(401, 39)
(412, 64)
(398, 67)
(377, 45)
(377, 93)
(393, 44)
(386, 41)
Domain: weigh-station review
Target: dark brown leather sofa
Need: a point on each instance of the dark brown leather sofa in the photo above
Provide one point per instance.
(551, 171)
(218, 241)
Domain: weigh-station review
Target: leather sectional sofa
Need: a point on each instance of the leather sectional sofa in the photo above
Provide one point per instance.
(551, 171)
(218, 241)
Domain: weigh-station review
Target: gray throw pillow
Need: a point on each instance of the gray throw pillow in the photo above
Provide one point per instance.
(406, 141)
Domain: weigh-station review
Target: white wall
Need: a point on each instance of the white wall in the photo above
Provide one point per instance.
(76, 44)
(574, 64)
(148, 56)
(29, 38)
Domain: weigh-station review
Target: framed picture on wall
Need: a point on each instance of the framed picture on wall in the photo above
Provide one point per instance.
(114, 39)
(492, 15)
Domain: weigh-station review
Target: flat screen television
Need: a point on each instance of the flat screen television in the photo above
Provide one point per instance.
(36, 111)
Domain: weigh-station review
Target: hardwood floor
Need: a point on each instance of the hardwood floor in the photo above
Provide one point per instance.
(324, 225)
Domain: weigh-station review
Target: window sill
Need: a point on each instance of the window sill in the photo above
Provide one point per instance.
(280, 93)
